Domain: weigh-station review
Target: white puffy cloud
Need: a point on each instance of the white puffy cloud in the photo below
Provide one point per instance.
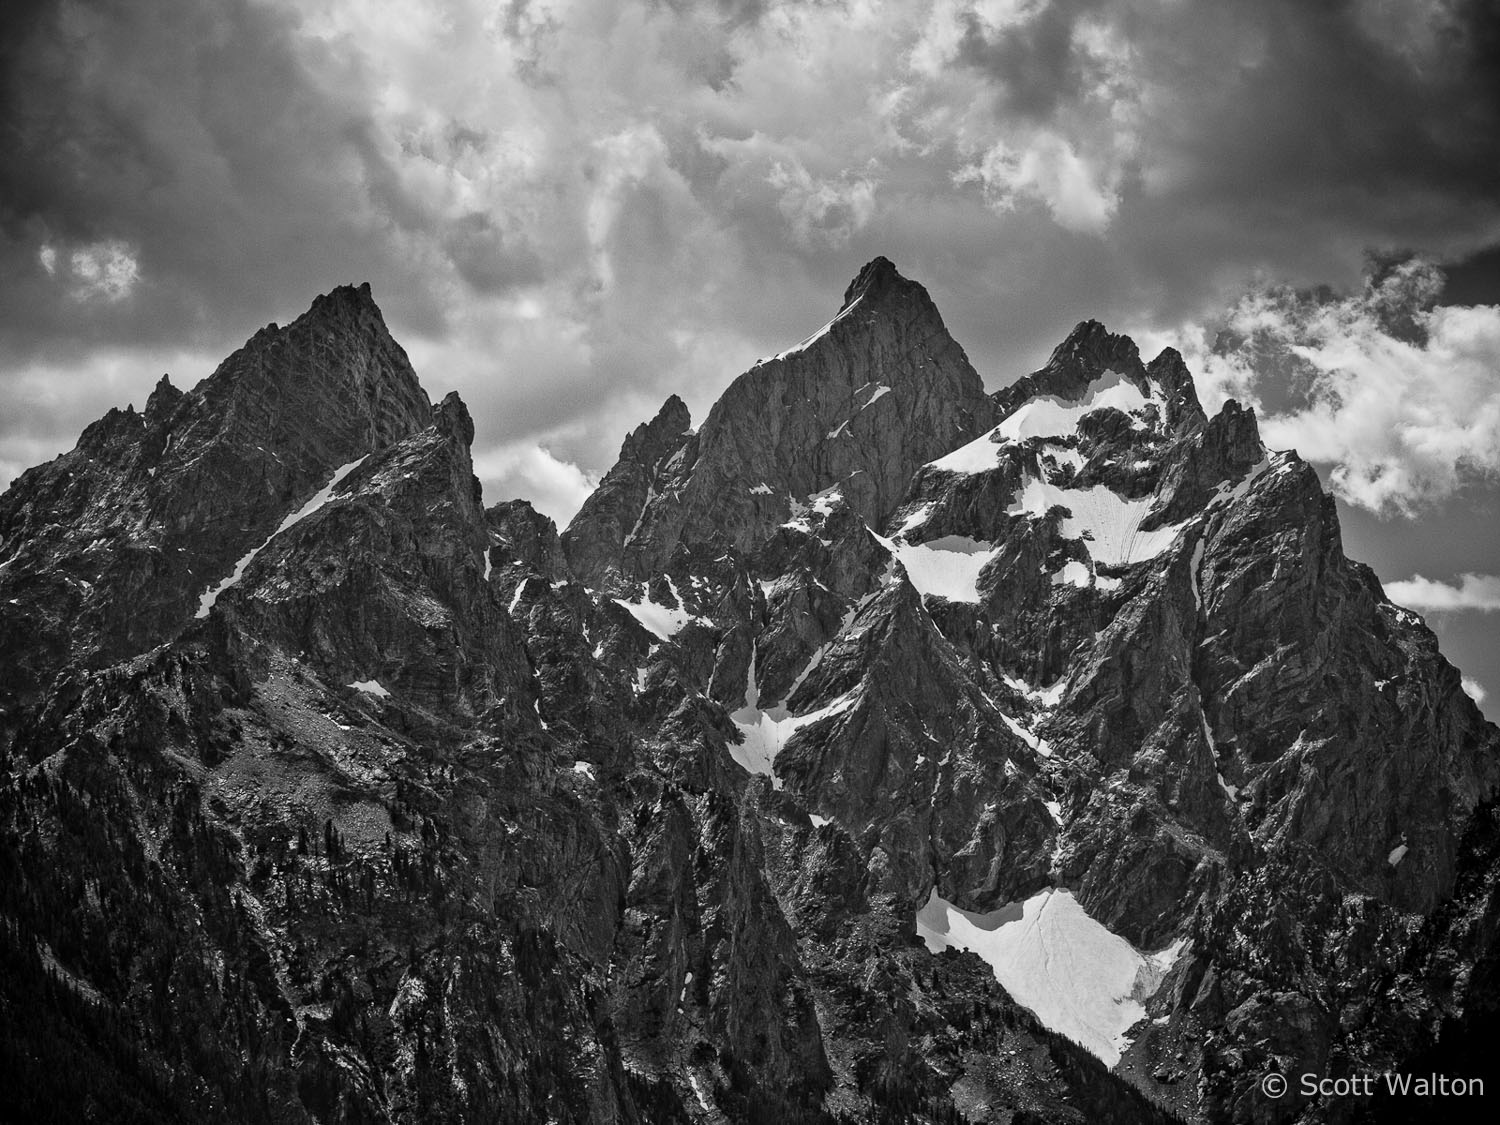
(555, 487)
(1400, 397)
(1471, 592)
(1474, 690)
(1048, 170)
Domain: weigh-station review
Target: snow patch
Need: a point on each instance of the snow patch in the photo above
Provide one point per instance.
(764, 732)
(1073, 573)
(660, 620)
(818, 821)
(1049, 416)
(946, 568)
(640, 519)
(915, 519)
(1106, 521)
(761, 489)
(320, 498)
(1397, 855)
(842, 426)
(1232, 493)
(1037, 744)
(698, 1092)
(979, 456)
(881, 390)
(816, 336)
(515, 599)
(1079, 979)
(371, 687)
(584, 769)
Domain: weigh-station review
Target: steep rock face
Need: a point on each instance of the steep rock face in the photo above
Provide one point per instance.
(652, 462)
(384, 584)
(1036, 757)
(106, 550)
(860, 404)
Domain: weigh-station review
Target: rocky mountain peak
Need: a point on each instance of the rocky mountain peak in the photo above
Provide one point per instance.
(652, 440)
(453, 419)
(327, 793)
(857, 406)
(1090, 359)
(877, 279)
(191, 485)
(163, 400)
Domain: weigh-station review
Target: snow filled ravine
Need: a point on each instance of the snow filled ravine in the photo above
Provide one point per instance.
(1077, 977)
(764, 731)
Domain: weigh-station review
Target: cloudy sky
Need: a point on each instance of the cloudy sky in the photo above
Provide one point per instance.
(569, 209)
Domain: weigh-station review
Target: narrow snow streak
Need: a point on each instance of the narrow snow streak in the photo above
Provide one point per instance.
(663, 621)
(515, 599)
(640, 519)
(321, 497)
(1195, 565)
(1077, 977)
(819, 334)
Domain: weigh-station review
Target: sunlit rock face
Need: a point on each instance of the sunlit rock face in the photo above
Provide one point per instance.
(879, 747)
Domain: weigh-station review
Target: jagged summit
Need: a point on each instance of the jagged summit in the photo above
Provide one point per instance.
(858, 406)
(878, 279)
(1090, 359)
(186, 488)
(650, 440)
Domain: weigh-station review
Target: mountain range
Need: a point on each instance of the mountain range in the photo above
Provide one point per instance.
(882, 749)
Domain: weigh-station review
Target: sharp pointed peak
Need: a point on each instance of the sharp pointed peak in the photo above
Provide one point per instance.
(648, 440)
(877, 278)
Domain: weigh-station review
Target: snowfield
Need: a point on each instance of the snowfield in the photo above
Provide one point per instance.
(1106, 521)
(1048, 416)
(946, 568)
(1078, 978)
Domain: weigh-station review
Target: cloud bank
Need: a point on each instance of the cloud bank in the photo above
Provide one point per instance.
(1400, 396)
(1471, 592)
(571, 208)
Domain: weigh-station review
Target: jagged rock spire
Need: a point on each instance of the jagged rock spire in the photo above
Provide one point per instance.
(857, 406)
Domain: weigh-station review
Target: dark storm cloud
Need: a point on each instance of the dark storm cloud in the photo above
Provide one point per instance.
(568, 211)
(1336, 126)
(1036, 62)
(235, 163)
(191, 139)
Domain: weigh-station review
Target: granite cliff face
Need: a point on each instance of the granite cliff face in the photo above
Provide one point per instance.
(859, 405)
(881, 751)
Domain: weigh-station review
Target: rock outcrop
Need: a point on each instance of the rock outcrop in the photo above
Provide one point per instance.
(859, 405)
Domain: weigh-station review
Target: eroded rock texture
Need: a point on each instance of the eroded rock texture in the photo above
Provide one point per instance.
(331, 794)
